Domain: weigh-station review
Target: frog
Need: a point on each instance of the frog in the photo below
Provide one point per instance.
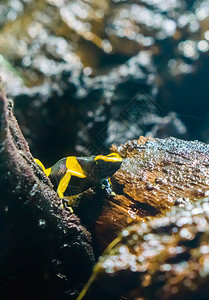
(73, 175)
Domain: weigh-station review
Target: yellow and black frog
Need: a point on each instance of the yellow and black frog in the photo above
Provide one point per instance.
(72, 175)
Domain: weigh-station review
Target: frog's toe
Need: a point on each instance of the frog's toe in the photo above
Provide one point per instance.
(65, 205)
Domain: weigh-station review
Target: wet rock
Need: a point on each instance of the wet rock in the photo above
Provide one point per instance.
(87, 62)
(42, 246)
(155, 175)
(166, 258)
(163, 170)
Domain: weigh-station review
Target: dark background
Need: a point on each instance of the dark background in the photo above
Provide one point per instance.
(84, 75)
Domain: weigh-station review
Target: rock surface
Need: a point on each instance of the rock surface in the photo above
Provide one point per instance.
(155, 175)
(74, 66)
(43, 247)
(165, 259)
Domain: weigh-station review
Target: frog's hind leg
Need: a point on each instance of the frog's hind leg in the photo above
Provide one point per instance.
(66, 205)
(63, 184)
(46, 171)
(38, 162)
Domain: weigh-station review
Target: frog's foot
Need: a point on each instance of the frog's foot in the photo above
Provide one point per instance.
(72, 200)
(65, 205)
(107, 186)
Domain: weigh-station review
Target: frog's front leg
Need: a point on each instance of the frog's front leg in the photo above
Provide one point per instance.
(107, 185)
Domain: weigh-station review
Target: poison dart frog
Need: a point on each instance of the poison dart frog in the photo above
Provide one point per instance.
(72, 175)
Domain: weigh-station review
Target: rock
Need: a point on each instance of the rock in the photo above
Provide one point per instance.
(43, 247)
(165, 259)
(155, 175)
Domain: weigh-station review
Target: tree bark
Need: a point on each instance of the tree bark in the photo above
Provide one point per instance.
(45, 253)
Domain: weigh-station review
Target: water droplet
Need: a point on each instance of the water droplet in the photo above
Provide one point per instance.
(42, 223)
(203, 46)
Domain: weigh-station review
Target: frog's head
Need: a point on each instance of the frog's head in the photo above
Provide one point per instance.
(100, 167)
